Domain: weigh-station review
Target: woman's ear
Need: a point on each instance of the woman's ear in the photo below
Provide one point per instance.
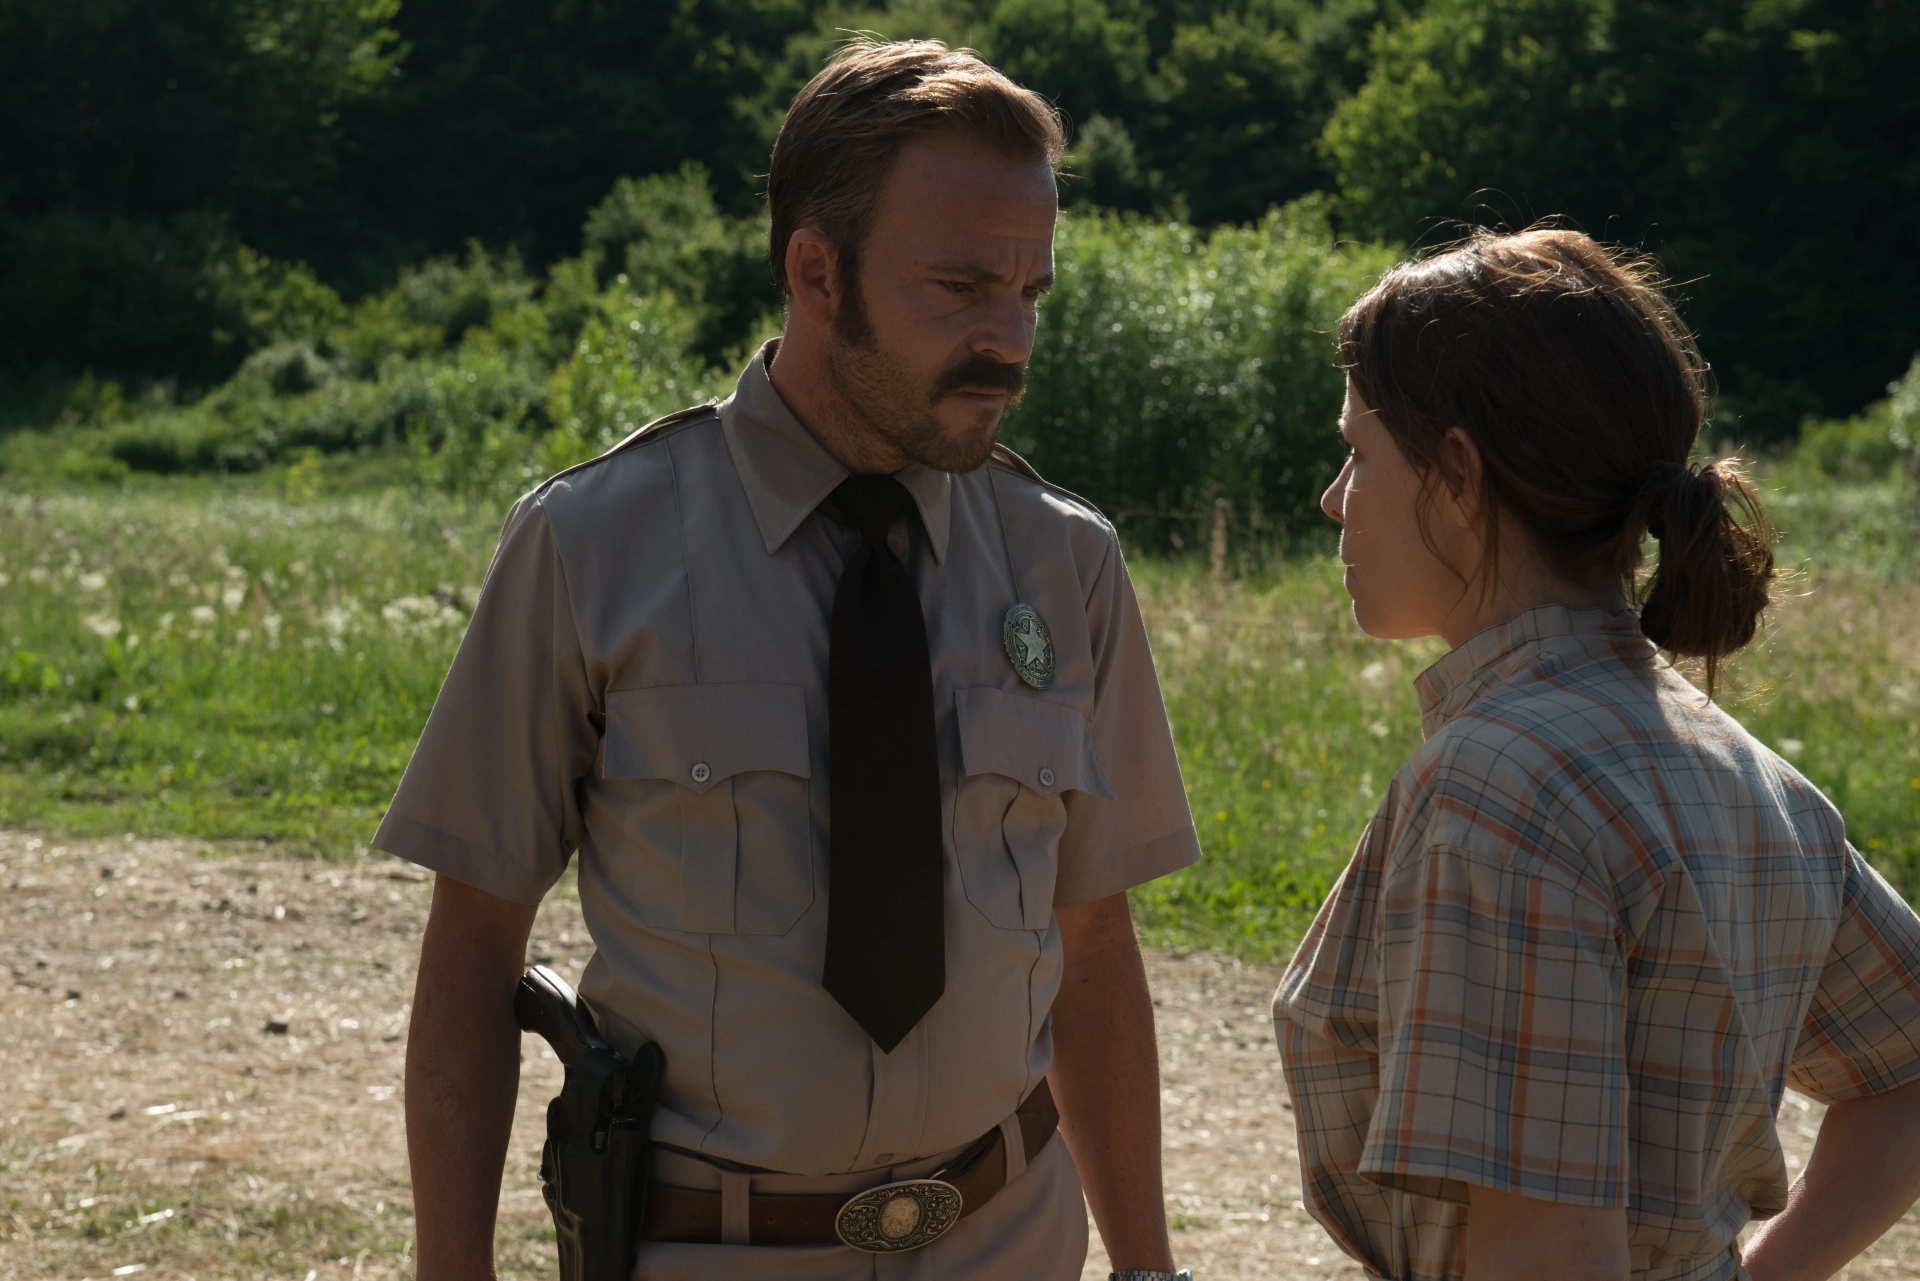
(1461, 500)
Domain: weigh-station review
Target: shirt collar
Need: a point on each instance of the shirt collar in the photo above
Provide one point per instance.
(1544, 640)
(787, 475)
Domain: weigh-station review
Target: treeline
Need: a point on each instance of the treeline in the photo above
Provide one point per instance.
(1182, 376)
(189, 184)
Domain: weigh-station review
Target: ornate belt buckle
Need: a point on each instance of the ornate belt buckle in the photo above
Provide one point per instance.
(898, 1216)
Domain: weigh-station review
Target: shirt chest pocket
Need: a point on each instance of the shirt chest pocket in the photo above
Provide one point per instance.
(1019, 756)
(720, 836)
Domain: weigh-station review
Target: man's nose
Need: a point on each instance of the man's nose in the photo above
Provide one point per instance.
(1005, 331)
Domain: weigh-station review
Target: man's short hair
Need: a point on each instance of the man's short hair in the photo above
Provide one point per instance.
(847, 127)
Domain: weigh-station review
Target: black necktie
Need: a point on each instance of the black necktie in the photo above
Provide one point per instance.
(886, 941)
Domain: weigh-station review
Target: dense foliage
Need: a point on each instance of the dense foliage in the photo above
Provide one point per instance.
(1177, 369)
(1767, 148)
(189, 184)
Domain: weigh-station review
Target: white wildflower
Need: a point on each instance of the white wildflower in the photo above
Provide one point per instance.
(243, 636)
(1373, 673)
(202, 615)
(39, 574)
(4, 580)
(103, 625)
(166, 622)
(94, 582)
(1791, 748)
(133, 702)
(234, 596)
(421, 613)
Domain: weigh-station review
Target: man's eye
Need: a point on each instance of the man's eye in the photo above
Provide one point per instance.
(957, 286)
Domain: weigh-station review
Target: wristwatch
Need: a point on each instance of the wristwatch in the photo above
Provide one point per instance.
(1139, 1274)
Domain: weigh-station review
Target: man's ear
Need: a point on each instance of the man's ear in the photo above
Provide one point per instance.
(1462, 498)
(813, 275)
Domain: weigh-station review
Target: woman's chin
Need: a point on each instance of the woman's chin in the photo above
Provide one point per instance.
(1385, 624)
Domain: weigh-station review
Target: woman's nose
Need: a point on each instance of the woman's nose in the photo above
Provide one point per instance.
(1334, 501)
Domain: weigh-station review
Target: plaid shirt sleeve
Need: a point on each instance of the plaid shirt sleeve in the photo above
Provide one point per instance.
(1862, 1032)
(1502, 1030)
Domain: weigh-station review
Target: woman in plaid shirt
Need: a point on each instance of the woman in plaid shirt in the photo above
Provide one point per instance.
(1542, 1026)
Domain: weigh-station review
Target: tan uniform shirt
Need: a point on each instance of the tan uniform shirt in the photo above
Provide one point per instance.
(645, 680)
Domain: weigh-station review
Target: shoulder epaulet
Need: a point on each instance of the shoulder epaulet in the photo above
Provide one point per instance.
(1007, 458)
(1015, 463)
(668, 420)
(677, 416)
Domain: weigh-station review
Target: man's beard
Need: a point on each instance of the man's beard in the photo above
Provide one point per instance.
(886, 399)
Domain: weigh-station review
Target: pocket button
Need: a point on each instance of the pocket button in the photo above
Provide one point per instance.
(1046, 777)
(701, 772)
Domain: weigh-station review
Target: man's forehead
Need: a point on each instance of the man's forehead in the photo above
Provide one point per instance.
(959, 198)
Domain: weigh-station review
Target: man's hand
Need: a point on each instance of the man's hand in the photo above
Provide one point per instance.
(1522, 1238)
(1863, 1175)
(463, 1073)
(1106, 1081)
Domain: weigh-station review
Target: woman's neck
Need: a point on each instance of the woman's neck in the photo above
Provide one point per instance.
(1525, 583)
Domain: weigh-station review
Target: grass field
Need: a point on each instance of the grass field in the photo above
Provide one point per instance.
(253, 659)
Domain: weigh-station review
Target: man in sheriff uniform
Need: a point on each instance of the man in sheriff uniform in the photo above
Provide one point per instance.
(852, 721)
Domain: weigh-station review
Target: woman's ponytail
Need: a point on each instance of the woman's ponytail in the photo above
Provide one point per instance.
(1715, 571)
(1568, 366)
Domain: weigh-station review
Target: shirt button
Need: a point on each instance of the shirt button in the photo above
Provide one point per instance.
(701, 772)
(1046, 778)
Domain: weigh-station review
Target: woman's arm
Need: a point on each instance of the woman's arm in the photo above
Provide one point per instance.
(1863, 1175)
(1521, 1238)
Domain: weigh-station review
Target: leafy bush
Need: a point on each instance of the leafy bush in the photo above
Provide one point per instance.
(158, 301)
(630, 367)
(1176, 368)
(664, 232)
(1870, 444)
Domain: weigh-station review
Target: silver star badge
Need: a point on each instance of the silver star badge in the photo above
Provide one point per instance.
(1029, 645)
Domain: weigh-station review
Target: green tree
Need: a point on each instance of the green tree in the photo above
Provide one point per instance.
(1765, 148)
(143, 140)
(1209, 107)
(510, 118)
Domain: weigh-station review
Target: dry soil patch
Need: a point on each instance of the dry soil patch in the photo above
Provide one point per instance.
(200, 1074)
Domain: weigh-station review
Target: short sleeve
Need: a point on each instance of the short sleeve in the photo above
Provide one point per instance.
(1862, 1032)
(1502, 1034)
(490, 795)
(1145, 830)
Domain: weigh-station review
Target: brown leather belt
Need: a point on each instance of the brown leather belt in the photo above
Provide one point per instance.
(891, 1217)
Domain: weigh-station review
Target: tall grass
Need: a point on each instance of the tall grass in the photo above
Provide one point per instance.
(254, 659)
(224, 664)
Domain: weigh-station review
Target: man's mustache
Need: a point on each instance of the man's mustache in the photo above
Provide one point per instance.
(982, 373)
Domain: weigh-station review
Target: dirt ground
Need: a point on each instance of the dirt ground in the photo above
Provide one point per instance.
(200, 1072)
